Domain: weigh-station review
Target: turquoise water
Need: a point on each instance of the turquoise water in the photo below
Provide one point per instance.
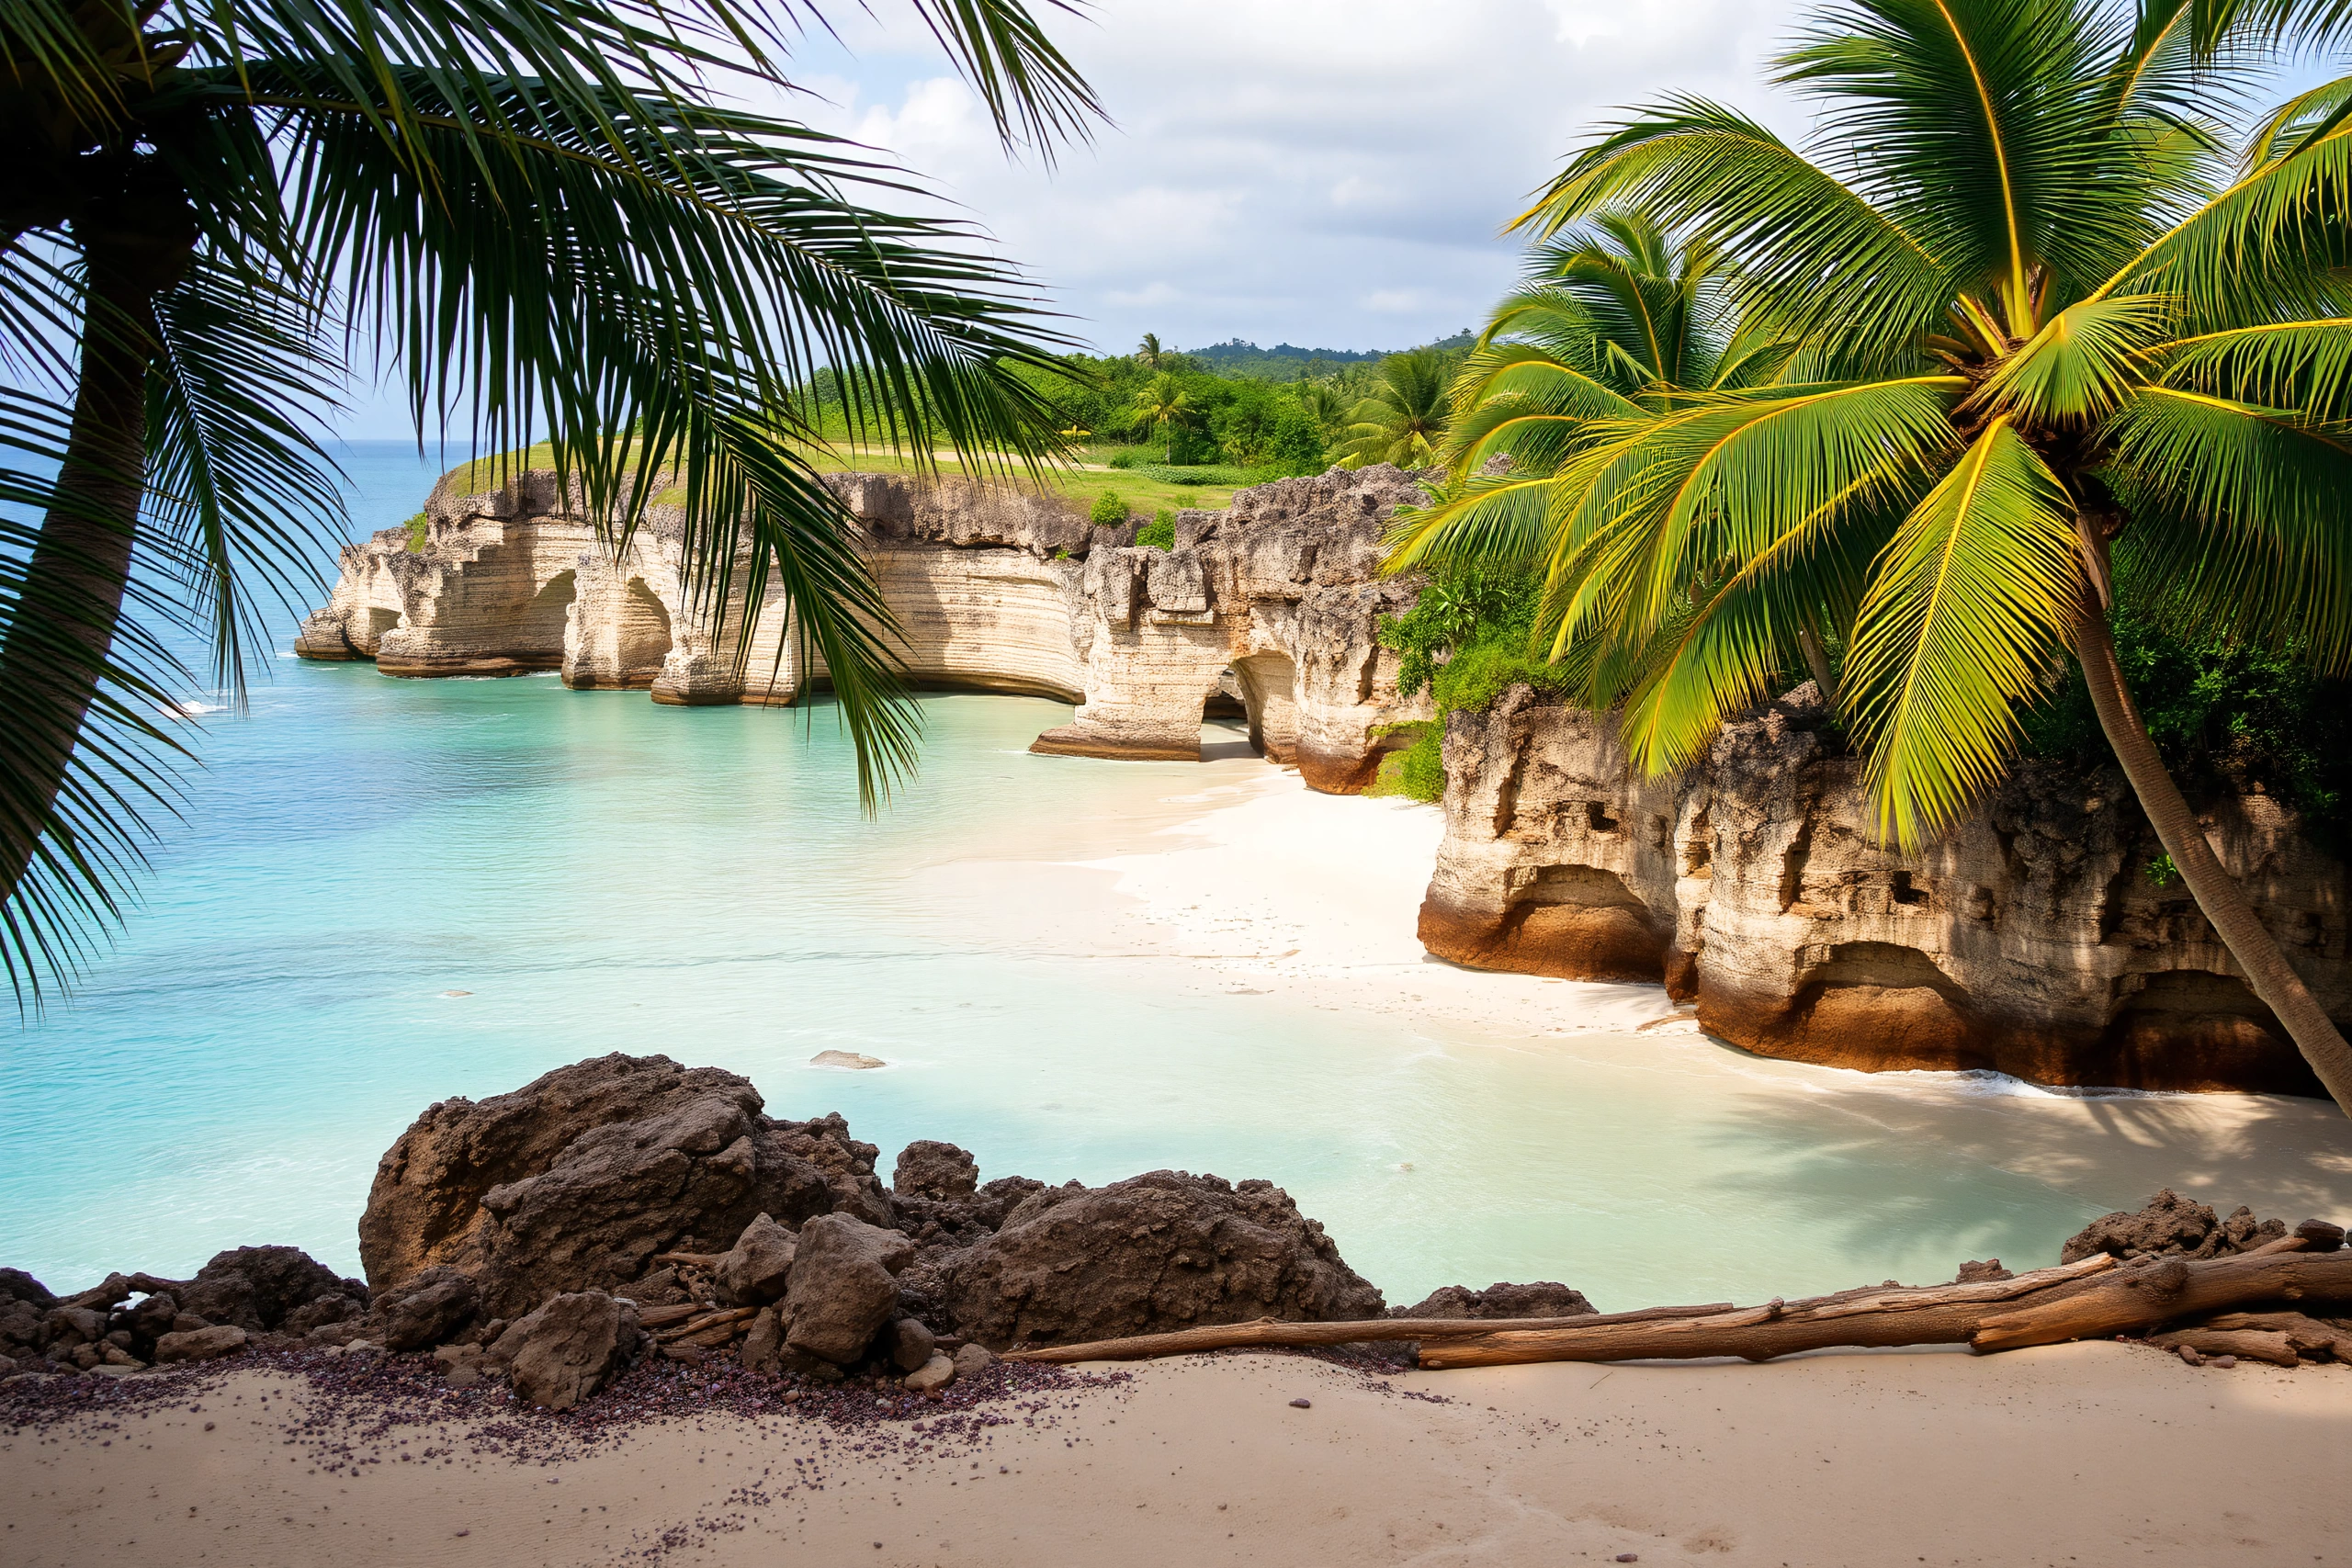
(602, 874)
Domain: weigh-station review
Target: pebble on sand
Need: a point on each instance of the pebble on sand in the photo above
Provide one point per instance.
(1302, 1404)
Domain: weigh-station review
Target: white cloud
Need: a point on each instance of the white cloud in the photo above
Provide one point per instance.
(1329, 172)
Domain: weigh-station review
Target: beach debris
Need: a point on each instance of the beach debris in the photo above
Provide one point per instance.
(843, 1286)
(2254, 1344)
(1302, 1404)
(936, 1372)
(564, 1351)
(1270, 1333)
(856, 1061)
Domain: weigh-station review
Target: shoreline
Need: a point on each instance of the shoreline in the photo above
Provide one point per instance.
(2089, 1454)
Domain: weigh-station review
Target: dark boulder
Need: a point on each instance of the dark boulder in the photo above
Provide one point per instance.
(255, 1288)
(928, 1168)
(1544, 1298)
(755, 1268)
(1157, 1252)
(577, 1179)
(2171, 1226)
(844, 1287)
(428, 1308)
(568, 1349)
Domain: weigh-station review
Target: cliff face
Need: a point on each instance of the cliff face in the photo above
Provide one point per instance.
(1283, 590)
(1274, 603)
(2031, 940)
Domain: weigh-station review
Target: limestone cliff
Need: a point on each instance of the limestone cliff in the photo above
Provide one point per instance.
(1274, 603)
(2031, 940)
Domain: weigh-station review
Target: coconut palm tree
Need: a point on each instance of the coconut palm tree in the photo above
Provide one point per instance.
(1404, 420)
(553, 216)
(1162, 405)
(1148, 354)
(2055, 338)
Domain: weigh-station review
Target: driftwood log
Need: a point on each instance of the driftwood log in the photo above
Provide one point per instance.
(1271, 1332)
(2094, 1298)
(1932, 1314)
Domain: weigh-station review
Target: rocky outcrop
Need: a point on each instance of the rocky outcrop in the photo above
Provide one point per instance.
(1541, 1298)
(2031, 940)
(2170, 1225)
(1282, 594)
(277, 1292)
(576, 1180)
(1274, 603)
(566, 1351)
(1162, 1251)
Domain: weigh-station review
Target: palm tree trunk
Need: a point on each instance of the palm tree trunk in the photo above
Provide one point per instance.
(80, 568)
(2217, 892)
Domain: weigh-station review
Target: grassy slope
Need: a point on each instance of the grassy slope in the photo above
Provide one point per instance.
(1080, 485)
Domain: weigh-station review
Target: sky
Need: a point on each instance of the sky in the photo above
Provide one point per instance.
(1328, 172)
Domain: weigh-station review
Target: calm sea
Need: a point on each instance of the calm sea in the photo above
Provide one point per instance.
(602, 874)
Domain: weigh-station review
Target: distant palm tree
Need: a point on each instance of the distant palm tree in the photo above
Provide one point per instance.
(1148, 354)
(1404, 420)
(1163, 405)
(2056, 342)
(1323, 406)
(541, 211)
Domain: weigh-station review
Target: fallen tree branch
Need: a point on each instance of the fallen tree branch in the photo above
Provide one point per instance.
(1931, 1315)
(2168, 1288)
(1274, 1333)
(2304, 1332)
(2246, 1343)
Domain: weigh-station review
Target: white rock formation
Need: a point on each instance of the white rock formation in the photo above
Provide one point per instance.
(1275, 602)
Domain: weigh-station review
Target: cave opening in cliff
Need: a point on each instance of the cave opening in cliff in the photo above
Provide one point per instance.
(642, 637)
(1268, 686)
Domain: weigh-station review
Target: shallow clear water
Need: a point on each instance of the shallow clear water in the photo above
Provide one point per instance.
(604, 875)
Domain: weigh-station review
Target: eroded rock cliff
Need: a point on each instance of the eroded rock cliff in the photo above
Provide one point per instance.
(1274, 603)
(2032, 940)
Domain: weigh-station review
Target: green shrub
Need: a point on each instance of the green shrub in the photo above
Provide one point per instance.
(1124, 460)
(1159, 534)
(1460, 609)
(1108, 511)
(419, 528)
(2226, 717)
(1417, 773)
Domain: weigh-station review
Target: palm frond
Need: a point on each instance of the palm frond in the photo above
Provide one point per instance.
(1969, 607)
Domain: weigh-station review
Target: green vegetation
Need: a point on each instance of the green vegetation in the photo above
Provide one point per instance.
(1404, 419)
(1108, 511)
(2038, 324)
(559, 218)
(418, 528)
(1467, 639)
(1159, 534)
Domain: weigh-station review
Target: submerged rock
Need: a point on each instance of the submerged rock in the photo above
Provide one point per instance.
(1161, 1251)
(577, 1179)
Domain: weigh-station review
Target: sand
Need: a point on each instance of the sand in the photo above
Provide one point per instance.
(2079, 1454)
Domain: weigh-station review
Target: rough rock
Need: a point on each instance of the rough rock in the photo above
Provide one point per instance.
(1544, 1298)
(202, 1345)
(2170, 1225)
(564, 1351)
(762, 1346)
(2030, 940)
(754, 1269)
(1277, 600)
(1980, 1273)
(908, 1344)
(856, 1061)
(971, 1360)
(429, 1307)
(256, 1288)
(928, 1169)
(843, 1287)
(1157, 1252)
(936, 1372)
(575, 1181)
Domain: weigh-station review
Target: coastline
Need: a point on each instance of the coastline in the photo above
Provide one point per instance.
(2089, 1454)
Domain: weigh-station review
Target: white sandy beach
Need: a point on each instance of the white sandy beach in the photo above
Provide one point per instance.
(2089, 1455)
